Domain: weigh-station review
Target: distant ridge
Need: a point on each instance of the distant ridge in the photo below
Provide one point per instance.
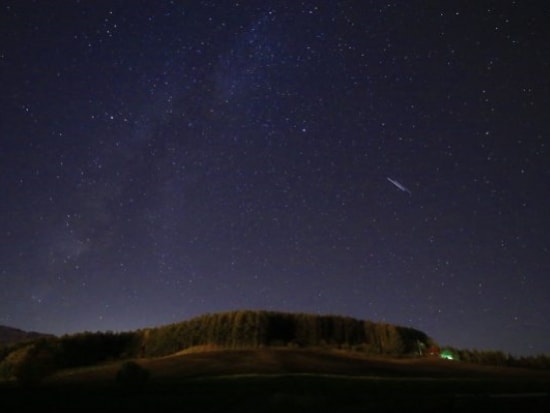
(11, 335)
(257, 329)
(241, 329)
(254, 331)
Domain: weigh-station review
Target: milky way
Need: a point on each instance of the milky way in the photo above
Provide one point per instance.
(161, 160)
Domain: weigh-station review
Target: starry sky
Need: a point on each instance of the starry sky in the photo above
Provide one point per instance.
(385, 160)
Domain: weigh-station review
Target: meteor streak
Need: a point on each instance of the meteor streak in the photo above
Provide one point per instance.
(399, 185)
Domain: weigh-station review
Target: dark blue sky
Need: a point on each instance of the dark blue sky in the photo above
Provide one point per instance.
(164, 159)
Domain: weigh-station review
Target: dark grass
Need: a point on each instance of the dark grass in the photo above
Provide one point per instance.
(286, 393)
(287, 381)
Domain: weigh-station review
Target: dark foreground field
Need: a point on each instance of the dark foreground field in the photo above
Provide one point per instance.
(289, 381)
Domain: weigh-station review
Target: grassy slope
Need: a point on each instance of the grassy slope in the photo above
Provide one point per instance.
(289, 380)
(208, 363)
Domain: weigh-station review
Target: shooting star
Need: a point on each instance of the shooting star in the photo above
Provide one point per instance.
(399, 185)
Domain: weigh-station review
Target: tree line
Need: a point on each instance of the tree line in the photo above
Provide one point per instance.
(499, 358)
(239, 329)
(233, 330)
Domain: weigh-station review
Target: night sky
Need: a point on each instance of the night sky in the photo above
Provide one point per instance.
(385, 160)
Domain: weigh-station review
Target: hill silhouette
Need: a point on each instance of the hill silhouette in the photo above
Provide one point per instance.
(241, 331)
(252, 329)
(11, 335)
(228, 330)
(259, 361)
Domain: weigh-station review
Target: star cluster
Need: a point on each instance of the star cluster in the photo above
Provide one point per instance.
(382, 160)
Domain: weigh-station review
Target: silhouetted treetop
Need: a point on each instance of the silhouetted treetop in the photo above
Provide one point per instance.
(240, 329)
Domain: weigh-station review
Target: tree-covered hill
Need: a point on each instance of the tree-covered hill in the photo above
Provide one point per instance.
(229, 330)
(240, 329)
(32, 360)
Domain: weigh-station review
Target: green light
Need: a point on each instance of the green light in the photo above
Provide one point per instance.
(447, 354)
